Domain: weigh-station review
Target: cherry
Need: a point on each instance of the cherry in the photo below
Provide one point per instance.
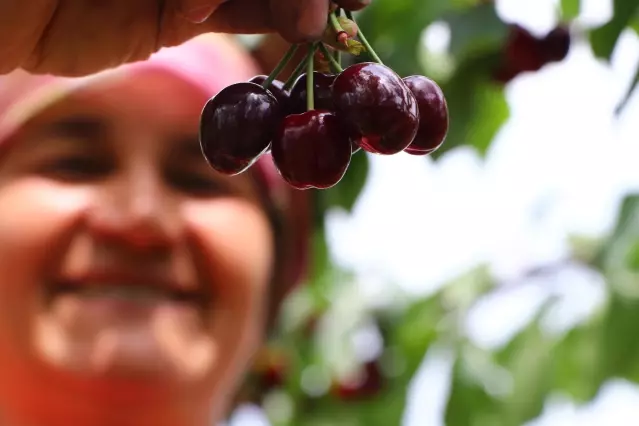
(311, 150)
(556, 44)
(322, 93)
(352, 5)
(276, 88)
(237, 126)
(433, 115)
(367, 385)
(270, 369)
(377, 105)
(523, 50)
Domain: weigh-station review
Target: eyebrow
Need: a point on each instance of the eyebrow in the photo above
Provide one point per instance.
(77, 126)
(75, 130)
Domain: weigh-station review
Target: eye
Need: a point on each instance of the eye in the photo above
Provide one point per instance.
(196, 183)
(76, 168)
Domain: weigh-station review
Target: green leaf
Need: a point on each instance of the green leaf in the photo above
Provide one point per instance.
(620, 351)
(577, 361)
(416, 330)
(619, 348)
(475, 31)
(528, 358)
(346, 192)
(570, 9)
(477, 107)
(632, 258)
(469, 403)
(604, 39)
(621, 275)
(394, 28)
(634, 24)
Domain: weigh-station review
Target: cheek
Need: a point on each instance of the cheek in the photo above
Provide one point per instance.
(236, 249)
(34, 218)
(236, 241)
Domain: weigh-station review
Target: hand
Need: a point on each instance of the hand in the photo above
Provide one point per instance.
(81, 37)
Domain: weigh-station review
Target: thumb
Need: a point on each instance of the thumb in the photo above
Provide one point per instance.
(198, 11)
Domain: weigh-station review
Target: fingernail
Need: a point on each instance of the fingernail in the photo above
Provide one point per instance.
(199, 14)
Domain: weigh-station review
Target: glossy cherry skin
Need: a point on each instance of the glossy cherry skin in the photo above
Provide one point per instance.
(377, 106)
(311, 150)
(352, 5)
(321, 89)
(237, 126)
(433, 115)
(276, 88)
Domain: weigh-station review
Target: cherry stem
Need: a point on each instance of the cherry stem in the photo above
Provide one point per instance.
(334, 64)
(364, 41)
(280, 66)
(332, 17)
(298, 70)
(310, 86)
(337, 54)
(296, 73)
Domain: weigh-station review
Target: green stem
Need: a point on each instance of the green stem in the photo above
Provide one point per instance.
(364, 41)
(336, 66)
(337, 55)
(299, 70)
(295, 74)
(280, 66)
(335, 23)
(310, 86)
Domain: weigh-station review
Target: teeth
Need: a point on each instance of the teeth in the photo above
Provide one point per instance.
(127, 291)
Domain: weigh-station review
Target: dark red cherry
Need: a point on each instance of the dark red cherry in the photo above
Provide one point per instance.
(524, 51)
(321, 89)
(556, 44)
(311, 150)
(276, 88)
(352, 5)
(376, 105)
(433, 115)
(237, 126)
(504, 73)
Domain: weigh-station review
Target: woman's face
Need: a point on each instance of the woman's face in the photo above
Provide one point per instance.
(132, 277)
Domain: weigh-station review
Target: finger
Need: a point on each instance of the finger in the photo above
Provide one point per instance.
(21, 26)
(198, 11)
(299, 20)
(241, 17)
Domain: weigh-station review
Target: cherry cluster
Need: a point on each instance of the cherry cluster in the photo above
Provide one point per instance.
(313, 123)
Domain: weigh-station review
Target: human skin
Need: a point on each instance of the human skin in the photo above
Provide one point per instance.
(73, 38)
(108, 187)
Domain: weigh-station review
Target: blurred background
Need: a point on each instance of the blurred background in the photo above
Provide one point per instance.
(495, 282)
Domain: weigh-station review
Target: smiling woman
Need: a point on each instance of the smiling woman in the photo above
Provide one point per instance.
(135, 282)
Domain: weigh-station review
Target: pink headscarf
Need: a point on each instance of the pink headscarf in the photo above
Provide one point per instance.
(210, 63)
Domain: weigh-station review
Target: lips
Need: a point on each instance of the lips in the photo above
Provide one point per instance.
(130, 288)
(125, 324)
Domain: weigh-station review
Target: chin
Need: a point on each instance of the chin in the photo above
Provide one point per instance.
(63, 399)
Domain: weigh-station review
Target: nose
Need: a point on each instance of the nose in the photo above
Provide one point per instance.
(135, 209)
